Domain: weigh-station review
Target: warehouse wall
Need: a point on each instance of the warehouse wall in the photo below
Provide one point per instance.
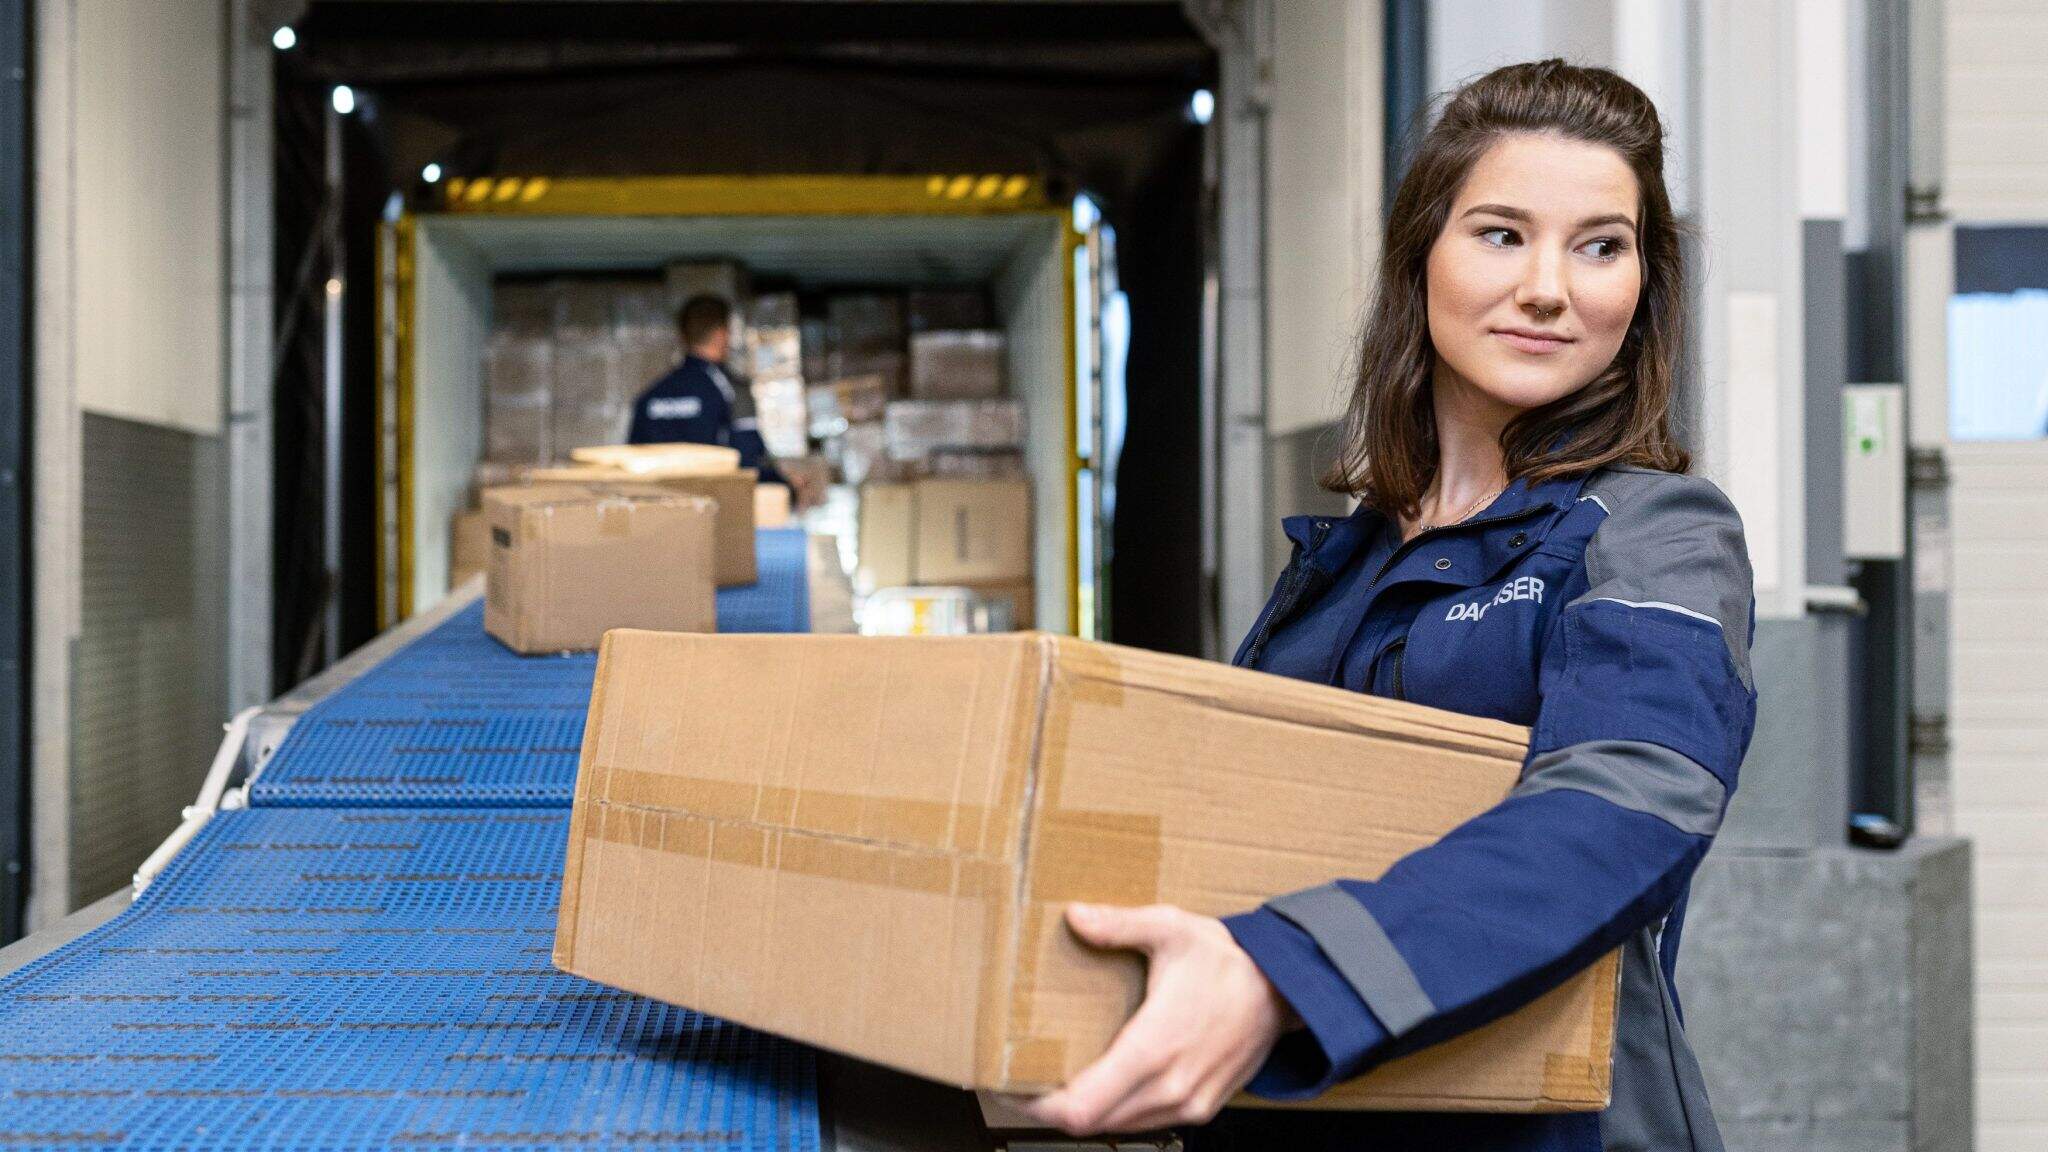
(129, 488)
(1996, 171)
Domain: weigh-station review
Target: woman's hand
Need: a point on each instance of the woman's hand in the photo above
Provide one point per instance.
(1208, 1021)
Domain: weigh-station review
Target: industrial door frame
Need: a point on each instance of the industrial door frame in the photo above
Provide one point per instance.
(932, 194)
(15, 270)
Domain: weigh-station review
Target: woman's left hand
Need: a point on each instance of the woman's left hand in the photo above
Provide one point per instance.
(1209, 1019)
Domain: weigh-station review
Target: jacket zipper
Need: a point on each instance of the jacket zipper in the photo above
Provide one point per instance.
(1396, 652)
(1284, 601)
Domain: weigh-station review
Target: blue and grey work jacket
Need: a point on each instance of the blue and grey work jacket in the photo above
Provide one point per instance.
(1611, 613)
(697, 404)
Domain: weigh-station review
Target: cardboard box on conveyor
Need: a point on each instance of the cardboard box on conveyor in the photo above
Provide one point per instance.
(731, 490)
(569, 562)
(890, 883)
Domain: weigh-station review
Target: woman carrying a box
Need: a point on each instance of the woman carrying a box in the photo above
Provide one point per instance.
(1530, 548)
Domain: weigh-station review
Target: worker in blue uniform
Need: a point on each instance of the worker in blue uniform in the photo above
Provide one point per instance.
(696, 402)
(1528, 547)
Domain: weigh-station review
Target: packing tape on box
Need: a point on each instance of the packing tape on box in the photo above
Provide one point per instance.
(1107, 857)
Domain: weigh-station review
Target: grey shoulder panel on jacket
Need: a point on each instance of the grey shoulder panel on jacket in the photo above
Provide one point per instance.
(1672, 542)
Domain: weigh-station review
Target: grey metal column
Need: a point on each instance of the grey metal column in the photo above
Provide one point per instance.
(1876, 350)
(250, 312)
(14, 387)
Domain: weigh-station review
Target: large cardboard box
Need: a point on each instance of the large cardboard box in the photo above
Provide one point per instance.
(888, 536)
(774, 349)
(889, 882)
(733, 491)
(518, 406)
(918, 428)
(587, 406)
(567, 563)
(944, 532)
(973, 531)
(957, 365)
(831, 408)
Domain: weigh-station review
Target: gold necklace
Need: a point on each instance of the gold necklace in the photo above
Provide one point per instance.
(1422, 525)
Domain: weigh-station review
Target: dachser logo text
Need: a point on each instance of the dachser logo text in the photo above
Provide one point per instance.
(1524, 588)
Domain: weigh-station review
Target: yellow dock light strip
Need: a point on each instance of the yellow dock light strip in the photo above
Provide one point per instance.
(947, 194)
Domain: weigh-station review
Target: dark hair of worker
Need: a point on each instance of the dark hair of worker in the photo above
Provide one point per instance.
(701, 317)
(1388, 453)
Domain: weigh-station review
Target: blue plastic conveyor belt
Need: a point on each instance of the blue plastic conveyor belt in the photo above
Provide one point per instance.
(361, 959)
(354, 979)
(456, 718)
(779, 599)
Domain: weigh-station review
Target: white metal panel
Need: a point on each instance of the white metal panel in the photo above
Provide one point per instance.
(1652, 42)
(1753, 476)
(1996, 143)
(452, 301)
(1031, 304)
(150, 191)
(1752, 347)
(1999, 723)
(1323, 221)
(1822, 81)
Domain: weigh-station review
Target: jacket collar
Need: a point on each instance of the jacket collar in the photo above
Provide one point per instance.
(1474, 545)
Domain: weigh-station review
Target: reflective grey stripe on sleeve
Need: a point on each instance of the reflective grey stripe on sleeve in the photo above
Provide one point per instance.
(1362, 954)
(1636, 775)
(1659, 605)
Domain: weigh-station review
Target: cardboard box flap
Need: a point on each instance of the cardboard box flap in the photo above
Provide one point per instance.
(862, 738)
(1295, 701)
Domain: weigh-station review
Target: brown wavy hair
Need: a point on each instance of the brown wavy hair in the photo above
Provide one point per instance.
(1388, 454)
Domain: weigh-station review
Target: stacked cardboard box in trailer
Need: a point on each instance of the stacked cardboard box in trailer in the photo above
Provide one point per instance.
(922, 425)
(565, 360)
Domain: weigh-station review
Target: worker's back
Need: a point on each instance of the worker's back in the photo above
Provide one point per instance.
(692, 404)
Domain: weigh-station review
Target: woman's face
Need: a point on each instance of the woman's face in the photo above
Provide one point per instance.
(1534, 279)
